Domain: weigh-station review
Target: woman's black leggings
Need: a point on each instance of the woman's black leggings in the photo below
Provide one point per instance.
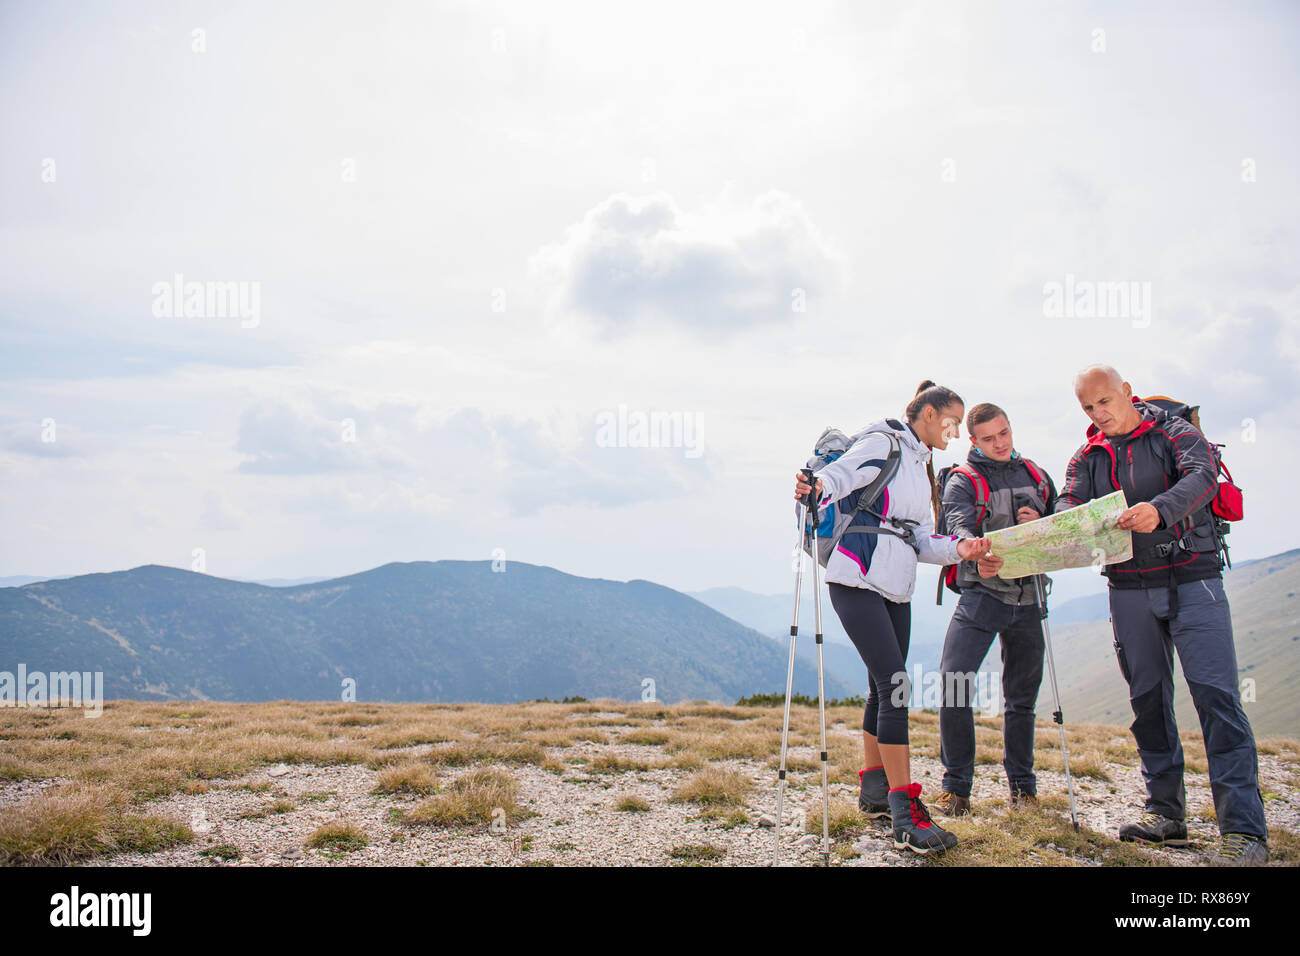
(880, 630)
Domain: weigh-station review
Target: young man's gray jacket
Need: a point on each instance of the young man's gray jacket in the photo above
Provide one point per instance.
(1010, 485)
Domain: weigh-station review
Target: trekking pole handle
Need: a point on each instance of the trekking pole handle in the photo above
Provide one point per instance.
(810, 499)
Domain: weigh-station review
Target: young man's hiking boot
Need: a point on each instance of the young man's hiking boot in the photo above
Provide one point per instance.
(1023, 799)
(1240, 849)
(951, 805)
(873, 799)
(1153, 828)
(913, 828)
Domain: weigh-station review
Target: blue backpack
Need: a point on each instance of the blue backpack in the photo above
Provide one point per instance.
(836, 520)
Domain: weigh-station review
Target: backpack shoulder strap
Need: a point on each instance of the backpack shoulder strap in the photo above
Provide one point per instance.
(981, 491)
(1040, 479)
(871, 491)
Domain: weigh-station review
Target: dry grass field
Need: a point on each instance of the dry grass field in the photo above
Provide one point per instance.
(591, 783)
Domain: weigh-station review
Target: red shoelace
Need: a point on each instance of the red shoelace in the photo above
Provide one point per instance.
(920, 815)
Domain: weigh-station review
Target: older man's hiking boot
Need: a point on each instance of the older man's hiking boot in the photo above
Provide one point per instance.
(1240, 849)
(1155, 829)
(913, 828)
(873, 799)
(951, 805)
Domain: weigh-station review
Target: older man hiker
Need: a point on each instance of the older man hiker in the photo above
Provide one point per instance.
(1169, 596)
(997, 488)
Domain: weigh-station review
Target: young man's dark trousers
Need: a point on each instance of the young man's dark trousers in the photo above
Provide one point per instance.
(980, 617)
(1146, 636)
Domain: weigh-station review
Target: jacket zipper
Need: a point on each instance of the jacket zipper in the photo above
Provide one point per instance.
(1132, 483)
(1132, 478)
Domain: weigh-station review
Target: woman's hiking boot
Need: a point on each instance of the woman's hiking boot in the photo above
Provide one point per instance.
(873, 799)
(913, 828)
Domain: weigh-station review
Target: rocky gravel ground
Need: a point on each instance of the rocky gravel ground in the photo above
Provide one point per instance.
(574, 819)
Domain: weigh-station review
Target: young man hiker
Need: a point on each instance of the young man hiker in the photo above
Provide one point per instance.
(1169, 596)
(997, 488)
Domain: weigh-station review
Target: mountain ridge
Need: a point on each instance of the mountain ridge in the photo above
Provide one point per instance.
(419, 630)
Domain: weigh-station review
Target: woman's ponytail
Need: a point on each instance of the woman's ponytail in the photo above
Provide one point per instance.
(934, 491)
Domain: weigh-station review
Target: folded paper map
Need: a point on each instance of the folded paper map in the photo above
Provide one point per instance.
(1068, 539)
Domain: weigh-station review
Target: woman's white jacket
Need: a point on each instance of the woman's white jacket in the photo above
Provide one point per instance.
(885, 563)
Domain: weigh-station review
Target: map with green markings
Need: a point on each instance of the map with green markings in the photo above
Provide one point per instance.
(1082, 536)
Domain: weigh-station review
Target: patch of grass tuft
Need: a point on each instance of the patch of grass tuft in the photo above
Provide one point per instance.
(714, 786)
(339, 836)
(481, 796)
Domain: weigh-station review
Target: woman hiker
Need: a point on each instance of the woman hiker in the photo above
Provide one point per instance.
(870, 577)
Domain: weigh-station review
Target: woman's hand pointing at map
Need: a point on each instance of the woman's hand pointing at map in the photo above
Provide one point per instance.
(972, 549)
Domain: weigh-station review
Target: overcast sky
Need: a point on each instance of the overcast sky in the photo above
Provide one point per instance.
(468, 234)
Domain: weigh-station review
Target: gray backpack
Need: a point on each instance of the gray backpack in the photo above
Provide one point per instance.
(834, 521)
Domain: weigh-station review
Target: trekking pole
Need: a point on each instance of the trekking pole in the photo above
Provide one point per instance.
(821, 693)
(789, 673)
(789, 681)
(807, 528)
(1056, 696)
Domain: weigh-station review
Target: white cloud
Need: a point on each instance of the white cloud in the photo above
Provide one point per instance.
(513, 466)
(642, 259)
(217, 514)
(47, 438)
